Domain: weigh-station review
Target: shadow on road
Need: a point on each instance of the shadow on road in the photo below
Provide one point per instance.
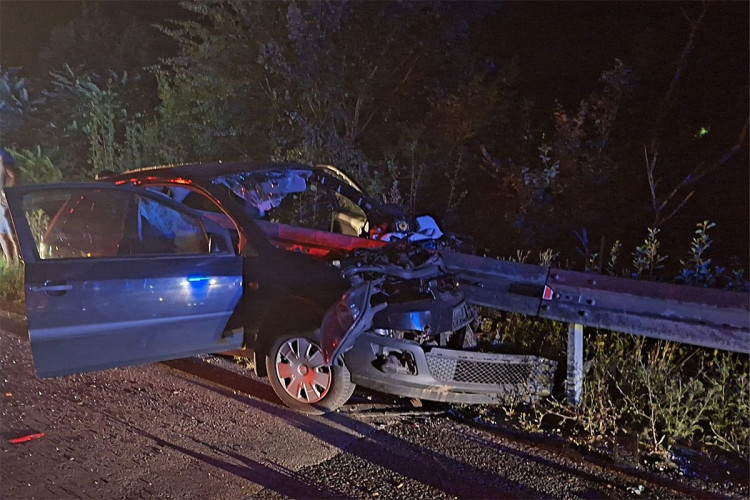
(411, 461)
(426, 466)
(224, 377)
(276, 478)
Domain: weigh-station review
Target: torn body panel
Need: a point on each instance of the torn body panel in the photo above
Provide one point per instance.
(409, 369)
(406, 330)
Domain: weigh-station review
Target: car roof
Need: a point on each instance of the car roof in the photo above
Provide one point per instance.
(211, 170)
(200, 170)
(208, 171)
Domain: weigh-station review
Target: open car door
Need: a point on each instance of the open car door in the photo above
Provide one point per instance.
(118, 276)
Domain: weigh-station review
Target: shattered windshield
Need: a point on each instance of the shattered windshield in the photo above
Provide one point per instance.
(298, 197)
(264, 190)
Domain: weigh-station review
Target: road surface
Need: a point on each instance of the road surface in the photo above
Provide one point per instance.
(207, 428)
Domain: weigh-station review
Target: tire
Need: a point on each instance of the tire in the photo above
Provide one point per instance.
(300, 378)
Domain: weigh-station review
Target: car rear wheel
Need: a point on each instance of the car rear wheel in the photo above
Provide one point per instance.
(298, 375)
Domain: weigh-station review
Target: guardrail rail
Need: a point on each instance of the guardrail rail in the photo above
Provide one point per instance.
(703, 317)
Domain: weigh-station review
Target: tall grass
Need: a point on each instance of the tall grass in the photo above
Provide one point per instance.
(660, 392)
(11, 284)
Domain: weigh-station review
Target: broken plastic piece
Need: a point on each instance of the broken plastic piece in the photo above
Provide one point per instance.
(26, 438)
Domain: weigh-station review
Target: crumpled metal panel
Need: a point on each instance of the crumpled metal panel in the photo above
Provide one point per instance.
(451, 375)
(508, 286)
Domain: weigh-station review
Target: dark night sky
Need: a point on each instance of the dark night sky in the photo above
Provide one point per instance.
(25, 25)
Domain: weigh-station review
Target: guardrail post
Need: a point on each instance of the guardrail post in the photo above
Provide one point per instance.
(574, 382)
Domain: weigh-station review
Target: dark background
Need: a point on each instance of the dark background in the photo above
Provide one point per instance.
(562, 48)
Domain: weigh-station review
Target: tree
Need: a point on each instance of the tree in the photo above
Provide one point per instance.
(14, 102)
(304, 81)
(559, 174)
(80, 120)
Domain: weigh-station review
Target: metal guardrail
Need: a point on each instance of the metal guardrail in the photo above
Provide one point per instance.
(503, 285)
(699, 316)
(704, 317)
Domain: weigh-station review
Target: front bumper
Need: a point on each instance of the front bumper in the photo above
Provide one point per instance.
(449, 375)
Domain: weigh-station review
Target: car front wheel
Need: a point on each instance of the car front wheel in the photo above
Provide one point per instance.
(298, 375)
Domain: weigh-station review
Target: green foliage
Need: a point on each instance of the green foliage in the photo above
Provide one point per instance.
(661, 392)
(510, 331)
(416, 103)
(614, 255)
(81, 118)
(521, 256)
(14, 101)
(587, 131)
(592, 260)
(145, 145)
(674, 392)
(89, 128)
(654, 396)
(647, 261)
(11, 283)
(549, 175)
(96, 112)
(244, 361)
(599, 414)
(736, 280)
(529, 184)
(294, 81)
(548, 257)
(103, 147)
(35, 167)
(727, 376)
(697, 269)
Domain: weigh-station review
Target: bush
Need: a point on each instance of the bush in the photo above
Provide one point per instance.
(667, 392)
(660, 392)
(663, 393)
(11, 283)
(36, 167)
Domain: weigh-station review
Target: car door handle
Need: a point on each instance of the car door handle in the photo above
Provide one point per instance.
(50, 286)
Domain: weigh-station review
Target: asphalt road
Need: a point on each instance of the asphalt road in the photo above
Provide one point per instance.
(207, 428)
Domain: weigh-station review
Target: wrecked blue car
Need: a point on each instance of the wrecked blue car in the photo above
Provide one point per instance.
(325, 286)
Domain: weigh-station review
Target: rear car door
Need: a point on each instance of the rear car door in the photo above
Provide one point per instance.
(117, 276)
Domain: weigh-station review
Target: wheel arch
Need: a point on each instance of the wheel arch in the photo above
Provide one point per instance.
(293, 315)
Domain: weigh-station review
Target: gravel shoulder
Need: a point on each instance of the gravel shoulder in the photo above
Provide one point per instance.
(205, 427)
(186, 429)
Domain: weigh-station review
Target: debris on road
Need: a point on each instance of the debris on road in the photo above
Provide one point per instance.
(26, 438)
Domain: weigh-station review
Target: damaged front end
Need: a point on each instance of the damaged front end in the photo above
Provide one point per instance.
(406, 328)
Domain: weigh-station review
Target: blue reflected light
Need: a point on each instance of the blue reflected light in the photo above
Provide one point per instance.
(416, 320)
(198, 286)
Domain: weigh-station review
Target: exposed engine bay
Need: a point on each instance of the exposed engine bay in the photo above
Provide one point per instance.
(408, 327)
